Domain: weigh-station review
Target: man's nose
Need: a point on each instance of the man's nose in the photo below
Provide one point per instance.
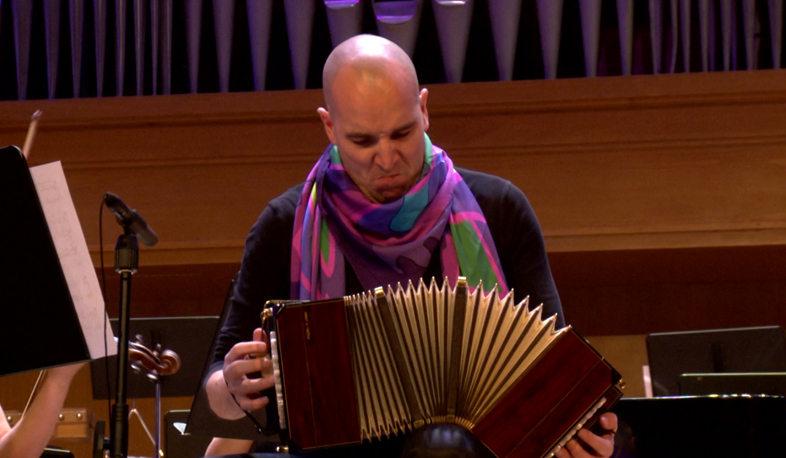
(386, 155)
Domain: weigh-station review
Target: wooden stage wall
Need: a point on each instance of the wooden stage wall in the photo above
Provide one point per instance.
(662, 198)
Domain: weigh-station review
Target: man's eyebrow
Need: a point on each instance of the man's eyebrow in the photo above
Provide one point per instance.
(406, 126)
(363, 135)
(357, 135)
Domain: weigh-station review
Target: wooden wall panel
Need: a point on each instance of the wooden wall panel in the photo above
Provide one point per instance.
(626, 171)
(667, 290)
(198, 168)
(691, 160)
(625, 165)
(638, 170)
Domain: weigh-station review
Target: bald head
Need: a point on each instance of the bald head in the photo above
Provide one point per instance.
(367, 60)
(376, 115)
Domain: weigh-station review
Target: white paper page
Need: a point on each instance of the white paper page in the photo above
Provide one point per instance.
(645, 372)
(80, 275)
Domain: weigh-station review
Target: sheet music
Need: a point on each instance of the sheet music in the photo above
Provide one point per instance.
(69, 240)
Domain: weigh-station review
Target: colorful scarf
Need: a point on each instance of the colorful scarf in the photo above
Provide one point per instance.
(392, 242)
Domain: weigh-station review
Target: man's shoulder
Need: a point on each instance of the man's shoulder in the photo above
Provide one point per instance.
(279, 211)
(287, 199)
(485, 184)
(473, 176)
(496, 196)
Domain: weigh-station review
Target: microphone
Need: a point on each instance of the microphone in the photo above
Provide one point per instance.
(130, 219)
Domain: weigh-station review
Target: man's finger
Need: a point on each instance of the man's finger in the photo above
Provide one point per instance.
(243, 349)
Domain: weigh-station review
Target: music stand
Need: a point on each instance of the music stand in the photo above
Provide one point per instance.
(754, 349)
(750, 383)
(694, 426)
(189, 337)
(48, 303)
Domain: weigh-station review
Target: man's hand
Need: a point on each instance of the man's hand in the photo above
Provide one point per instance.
(602, 446)
(242, 366)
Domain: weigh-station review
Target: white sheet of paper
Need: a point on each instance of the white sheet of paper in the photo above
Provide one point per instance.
(80, 275)
(645, 373)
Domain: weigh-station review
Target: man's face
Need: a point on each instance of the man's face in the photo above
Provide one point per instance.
(378, 128)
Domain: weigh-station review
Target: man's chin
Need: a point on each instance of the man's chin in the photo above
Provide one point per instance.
(388, 195)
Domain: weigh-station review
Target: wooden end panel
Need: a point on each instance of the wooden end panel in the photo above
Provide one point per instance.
(521, 413)
(294, 369)
(566, 413)
(331, 375)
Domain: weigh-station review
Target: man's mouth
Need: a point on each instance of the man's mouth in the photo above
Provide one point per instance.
(388, 179)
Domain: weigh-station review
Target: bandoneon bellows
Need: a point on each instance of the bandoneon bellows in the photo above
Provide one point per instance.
(376, 364)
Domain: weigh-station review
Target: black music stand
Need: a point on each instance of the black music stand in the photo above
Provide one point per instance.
(754, 349)
(179, 445)
(699, 426)
(39, 326)
(769, 383)
(189, 337)
(49, 302)
(186, 336)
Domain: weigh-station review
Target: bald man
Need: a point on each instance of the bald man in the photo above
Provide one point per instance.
(387, 206)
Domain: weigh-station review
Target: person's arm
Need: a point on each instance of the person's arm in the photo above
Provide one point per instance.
(524, 254)
(519, 241)
(220, 446)
(4, 426)
(264, 275)
(532, 275)
(29, 437)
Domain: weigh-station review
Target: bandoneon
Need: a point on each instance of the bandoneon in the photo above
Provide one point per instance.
(373, 365)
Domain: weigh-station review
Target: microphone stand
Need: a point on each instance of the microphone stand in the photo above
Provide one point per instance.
(126, 264)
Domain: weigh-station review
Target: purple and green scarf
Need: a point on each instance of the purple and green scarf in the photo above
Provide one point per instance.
(392, 242)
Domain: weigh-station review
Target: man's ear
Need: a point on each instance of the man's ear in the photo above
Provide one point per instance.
(423, 99)
(327, 122)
